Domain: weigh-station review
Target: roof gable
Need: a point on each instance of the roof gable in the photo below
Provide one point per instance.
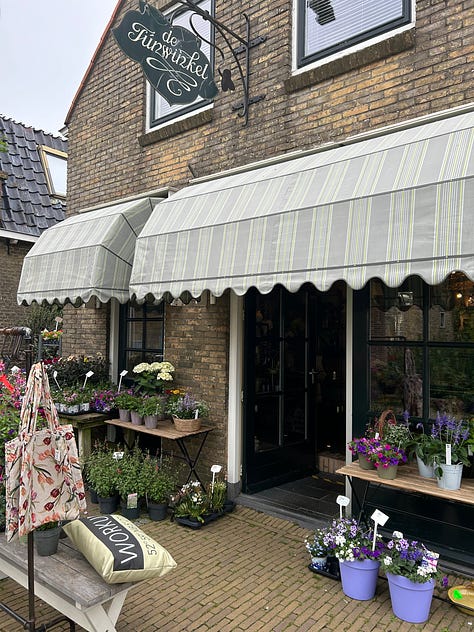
(26, 205)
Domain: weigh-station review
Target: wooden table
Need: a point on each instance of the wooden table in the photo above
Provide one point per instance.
(409, 480)
(68, 583)
(84, 424)
(166, 430)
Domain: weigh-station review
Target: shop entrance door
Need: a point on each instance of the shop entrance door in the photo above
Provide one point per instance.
(294, 382)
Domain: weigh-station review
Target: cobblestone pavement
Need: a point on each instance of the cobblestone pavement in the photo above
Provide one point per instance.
(245, 571)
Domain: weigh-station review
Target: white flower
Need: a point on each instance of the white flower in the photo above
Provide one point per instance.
(140, 368)
(387, 560)
(397, 534)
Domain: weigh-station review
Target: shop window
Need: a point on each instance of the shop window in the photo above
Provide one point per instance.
(159, 110)
(326, 27)
(421, 347)
(141, 334)
(55, 168)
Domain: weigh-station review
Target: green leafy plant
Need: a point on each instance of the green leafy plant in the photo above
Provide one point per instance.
(129, 479)
(125, 400)
(384, 455)
(318, 544)
(53, 524)
(101, 471)
(217, 495)
(160, 478)
(152, 405)
(447, 430)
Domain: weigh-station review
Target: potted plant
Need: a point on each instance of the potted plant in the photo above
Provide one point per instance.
(124, 402)
(450, 450)
(101, 472)
(362, 448)
(46, 538)
(187, 412)
(358, 554)
(191, 505)
(160, 478)
(411, 571)
(130, 482)
(317, 546)
(151, 409)
(152, 377)
(422, 447)
(386, 459)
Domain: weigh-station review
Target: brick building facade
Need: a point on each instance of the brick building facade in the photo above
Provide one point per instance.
(416, 73)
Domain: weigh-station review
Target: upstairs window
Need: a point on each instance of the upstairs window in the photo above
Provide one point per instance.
(326, 27)
(159, 110)
(55, 168)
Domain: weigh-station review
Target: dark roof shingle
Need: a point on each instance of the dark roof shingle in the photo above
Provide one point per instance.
(26, 205)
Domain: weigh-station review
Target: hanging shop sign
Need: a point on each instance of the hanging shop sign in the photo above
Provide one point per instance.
(170, 56)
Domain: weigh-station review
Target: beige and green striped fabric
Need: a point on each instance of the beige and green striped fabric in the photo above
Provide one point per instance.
(89, 254)
(390, 206)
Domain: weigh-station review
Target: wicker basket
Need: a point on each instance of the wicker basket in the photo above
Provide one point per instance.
(186, 425)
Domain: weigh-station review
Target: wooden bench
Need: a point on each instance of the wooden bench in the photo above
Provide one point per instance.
(67, 582)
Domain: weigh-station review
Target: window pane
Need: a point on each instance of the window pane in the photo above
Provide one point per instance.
(452, 381)
(396, 314)
(58, 173)
(452, 310)
(396, 379)
(135, 335)
(154, 334)
(331, 25)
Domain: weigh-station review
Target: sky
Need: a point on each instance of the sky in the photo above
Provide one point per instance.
(45, 49)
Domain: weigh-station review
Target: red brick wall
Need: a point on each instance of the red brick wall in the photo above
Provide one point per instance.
(11, 261)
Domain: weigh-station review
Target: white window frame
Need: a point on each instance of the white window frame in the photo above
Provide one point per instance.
(186, 110)
(45, 153)
(346, 51)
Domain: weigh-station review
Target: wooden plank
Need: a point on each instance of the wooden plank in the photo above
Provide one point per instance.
(409, 480)
(67, 573)
(165, 429)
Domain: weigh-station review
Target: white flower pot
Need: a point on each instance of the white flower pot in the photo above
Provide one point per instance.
(451, 476)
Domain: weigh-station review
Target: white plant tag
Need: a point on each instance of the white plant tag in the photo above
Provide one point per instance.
(377, 436)
(379, 517)
(448, 454)
(57, 455)
(118, 455)
(132, 501)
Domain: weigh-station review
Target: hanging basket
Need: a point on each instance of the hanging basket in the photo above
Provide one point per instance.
(187, 425)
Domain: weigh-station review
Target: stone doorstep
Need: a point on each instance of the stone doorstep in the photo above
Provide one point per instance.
(329, 462)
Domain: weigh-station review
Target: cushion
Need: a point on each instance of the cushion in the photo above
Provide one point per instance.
(117, 549)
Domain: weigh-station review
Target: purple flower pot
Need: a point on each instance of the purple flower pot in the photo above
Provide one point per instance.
(411, 601)
(359, 578)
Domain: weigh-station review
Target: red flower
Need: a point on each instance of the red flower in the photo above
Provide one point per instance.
(47, 440)
(49, 506)
(68, 435)
(55, 492)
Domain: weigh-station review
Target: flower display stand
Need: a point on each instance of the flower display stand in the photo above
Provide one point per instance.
(194, 523)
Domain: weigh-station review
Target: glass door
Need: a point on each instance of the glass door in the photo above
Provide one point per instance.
(294, 382)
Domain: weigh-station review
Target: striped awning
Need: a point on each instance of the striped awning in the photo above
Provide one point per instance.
(390, 206)
(86, 255)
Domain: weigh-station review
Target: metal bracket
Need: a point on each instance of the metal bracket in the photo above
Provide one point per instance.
(245, 45)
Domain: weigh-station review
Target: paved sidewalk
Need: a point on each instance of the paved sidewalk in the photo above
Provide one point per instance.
(245, 571)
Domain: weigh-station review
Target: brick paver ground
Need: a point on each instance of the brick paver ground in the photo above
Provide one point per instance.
(246, 571)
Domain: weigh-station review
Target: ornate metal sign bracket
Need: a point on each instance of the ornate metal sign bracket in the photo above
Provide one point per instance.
(246, 44)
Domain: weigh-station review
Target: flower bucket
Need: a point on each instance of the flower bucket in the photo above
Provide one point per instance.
(359, 578)
(131, 513)
(426, 471)
(151, 421)
(137, 419)
(365, 464)
(411, 601)
(108, 505)
(387, 473)
(157, 511)
(124, 415)
(451, 477)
